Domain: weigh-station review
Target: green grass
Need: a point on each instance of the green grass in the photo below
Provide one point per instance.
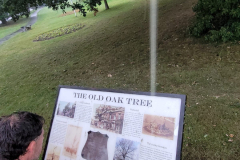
(116, 42)
(11, 27)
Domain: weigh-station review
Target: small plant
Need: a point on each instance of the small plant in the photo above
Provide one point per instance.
(217, 20)
(58, 32)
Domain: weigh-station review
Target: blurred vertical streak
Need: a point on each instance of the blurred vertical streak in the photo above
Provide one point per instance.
(74, 10)
(153, 43)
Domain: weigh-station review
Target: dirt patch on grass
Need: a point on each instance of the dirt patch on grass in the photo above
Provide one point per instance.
(69, 13)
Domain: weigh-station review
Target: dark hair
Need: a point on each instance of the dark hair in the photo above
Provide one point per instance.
(17, 131)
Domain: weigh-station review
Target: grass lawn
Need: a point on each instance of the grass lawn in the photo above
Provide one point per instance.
(116, 42)
(12, 26)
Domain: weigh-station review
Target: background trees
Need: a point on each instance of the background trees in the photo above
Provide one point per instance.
(217, 20)
(18, 8)
(3, 15)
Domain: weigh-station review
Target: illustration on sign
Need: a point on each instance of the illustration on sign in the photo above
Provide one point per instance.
(72, 141)
(158, 126)
(53, 152)
(108, 118)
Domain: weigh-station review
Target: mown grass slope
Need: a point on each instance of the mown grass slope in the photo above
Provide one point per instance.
(116, 42)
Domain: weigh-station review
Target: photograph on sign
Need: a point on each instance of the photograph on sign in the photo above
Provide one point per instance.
(95, 124)
(95, 146)
(66, 109)
(126, 149)
(108, 117)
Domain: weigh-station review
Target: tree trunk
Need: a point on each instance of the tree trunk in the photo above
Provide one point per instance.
(106, 4)
(29, 7)
(4, 21)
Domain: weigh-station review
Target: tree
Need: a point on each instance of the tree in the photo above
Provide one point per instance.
(92, 3)
(3, 15)
(19, 8)
(58, 111)
(100, 112)
(217, 20)
(106, 4)
(125, 149)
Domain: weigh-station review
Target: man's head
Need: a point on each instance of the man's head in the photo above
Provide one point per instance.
(21, 136)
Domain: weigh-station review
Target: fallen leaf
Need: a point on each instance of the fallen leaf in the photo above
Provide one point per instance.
(230, 140)
(194, 83)
(227, 135)
(216, 97)
(231, 135)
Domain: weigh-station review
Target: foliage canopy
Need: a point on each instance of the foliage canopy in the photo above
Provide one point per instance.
(3, 15)
(217, 20)
(18, 8)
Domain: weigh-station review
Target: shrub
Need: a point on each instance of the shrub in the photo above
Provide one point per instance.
(217, 20)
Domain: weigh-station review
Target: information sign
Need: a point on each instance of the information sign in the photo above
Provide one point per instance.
(92, 124)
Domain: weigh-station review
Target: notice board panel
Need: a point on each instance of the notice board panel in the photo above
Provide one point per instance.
(99, 124)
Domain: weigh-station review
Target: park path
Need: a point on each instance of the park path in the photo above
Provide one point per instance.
(33, 19)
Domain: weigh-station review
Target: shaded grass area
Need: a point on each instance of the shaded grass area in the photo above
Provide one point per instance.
(12, 26)
(116, 42)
